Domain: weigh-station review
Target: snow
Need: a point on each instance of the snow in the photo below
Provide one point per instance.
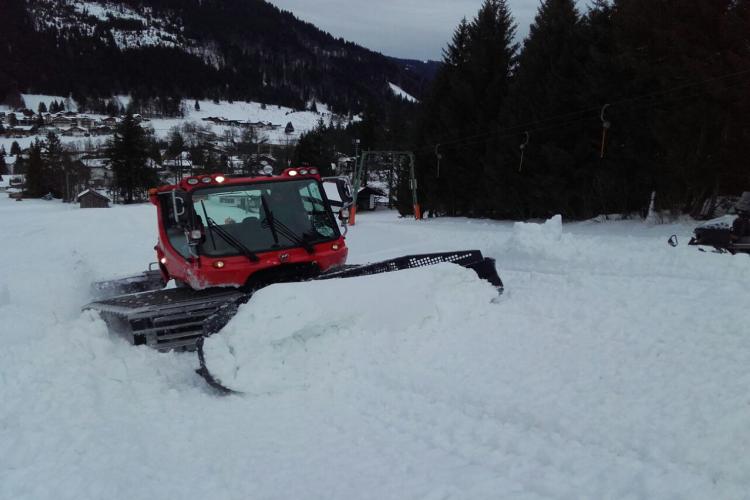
(302, 121)
(84, 15)
(293, 350)
(613, 366)
(399, 92)
(94, 191)
(32, 101)
(105, 11)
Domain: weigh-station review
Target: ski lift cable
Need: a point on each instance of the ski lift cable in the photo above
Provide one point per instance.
(487, 136)
(461, 146)
(523, 126)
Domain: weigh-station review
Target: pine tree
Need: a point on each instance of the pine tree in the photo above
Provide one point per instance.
(468, 98)
(35, 186)
(289, 129)
(197, 105)
(446, 114)
(3, 165)
(55, 158)
(549, 83)
(128, 153)
(15, 149)
(42, 108)
(687, 147)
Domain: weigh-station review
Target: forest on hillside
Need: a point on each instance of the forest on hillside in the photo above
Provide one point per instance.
(194, 49)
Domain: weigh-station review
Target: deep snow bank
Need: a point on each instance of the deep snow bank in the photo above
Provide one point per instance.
(292, 335)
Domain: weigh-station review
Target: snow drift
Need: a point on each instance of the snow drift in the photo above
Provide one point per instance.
(294, 335)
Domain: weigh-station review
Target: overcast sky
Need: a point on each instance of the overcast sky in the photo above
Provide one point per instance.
(415, 29)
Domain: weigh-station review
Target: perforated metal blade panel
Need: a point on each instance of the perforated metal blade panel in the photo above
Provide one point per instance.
(465, 258)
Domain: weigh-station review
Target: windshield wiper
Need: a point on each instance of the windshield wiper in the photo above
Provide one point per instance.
(277, 226)
(299, 240)
(213, 226)
(270, 219)
(210, 232)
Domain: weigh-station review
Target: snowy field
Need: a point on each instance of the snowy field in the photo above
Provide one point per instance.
(613, 366)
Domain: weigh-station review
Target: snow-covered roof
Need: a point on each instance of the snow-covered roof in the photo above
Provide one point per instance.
(96, 162)
(97, 193)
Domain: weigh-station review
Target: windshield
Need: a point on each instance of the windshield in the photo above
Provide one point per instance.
(261, 217)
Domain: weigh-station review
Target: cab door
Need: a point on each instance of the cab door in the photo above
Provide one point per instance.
(176, 219)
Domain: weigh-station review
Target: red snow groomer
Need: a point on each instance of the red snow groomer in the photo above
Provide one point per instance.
(221, 238)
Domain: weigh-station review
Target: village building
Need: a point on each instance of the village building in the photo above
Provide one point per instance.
(86, 122)
(75, 132)
(100, 174)
(92, 199)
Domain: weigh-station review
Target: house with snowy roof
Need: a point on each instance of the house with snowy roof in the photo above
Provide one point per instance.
(93, 199)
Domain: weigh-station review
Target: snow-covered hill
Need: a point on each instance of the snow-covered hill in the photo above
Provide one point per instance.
(399, 92)
(195, 48)
(274, 119)
(612, 367)
(128, 28)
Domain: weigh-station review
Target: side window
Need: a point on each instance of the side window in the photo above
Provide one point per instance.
(320, 218)
(312, 198)
(174, 217)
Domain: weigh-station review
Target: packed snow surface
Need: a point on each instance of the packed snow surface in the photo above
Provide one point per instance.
(612, 366)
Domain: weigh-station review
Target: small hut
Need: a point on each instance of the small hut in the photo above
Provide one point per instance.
(92, 199)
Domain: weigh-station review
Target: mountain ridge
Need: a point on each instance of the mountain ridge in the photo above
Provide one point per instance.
(216, 49)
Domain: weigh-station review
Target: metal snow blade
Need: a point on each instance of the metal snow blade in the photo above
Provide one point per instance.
(143, 282)
(484, 267)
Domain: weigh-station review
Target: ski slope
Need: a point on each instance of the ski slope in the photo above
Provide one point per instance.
(613, 366)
